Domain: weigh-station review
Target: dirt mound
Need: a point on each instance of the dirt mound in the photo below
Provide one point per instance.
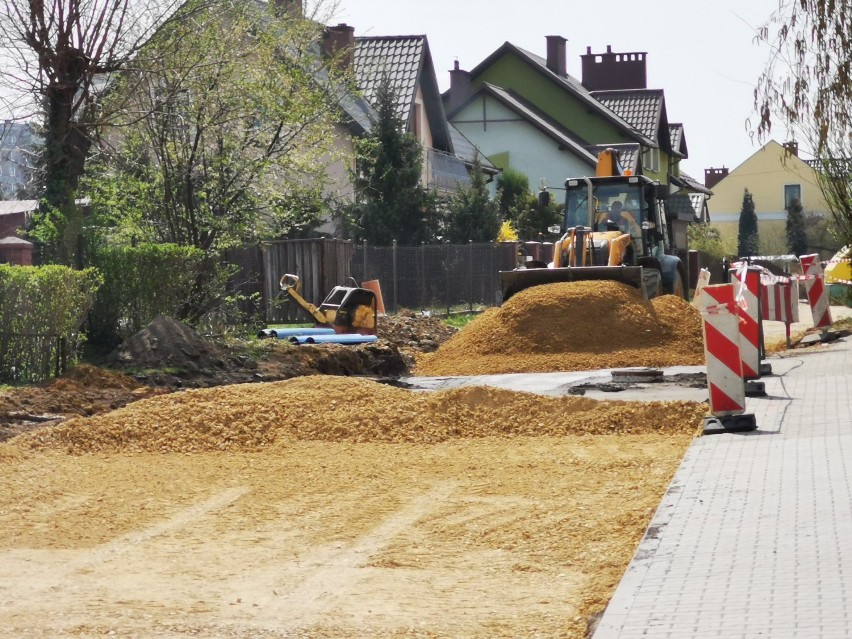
(374, 360)
(172, 354)
(85, 376)
(166, 343)
(84, 390)
(420, 333)
(572, 326)
(256, 416)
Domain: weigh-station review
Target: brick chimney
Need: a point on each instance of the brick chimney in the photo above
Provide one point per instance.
(556, 54)
(459, 87)
(289, 6)
(338, 43)
(713, 176)
(612, 71)
(792, 148)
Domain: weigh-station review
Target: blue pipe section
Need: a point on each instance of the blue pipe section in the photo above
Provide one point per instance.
(333, 339)
(286, 333)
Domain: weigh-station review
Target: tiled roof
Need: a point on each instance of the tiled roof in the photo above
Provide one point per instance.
(629, 155)
(398, 57)
(699, 204)
(690, 184)
(541, 121)
(680, 206)
(677, 139)
(642, 108)
(576, 88)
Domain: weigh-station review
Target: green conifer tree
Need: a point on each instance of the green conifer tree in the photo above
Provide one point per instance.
(748, 239)
(471, 213)
(391, 204)
(797, 237)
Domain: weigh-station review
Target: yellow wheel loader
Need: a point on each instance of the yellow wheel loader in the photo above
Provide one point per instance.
(346, 309)
(614, 229)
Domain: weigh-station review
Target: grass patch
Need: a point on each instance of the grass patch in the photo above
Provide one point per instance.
(460, 320)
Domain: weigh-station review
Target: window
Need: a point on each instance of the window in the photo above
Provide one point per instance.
(792, 192)
(651, 159)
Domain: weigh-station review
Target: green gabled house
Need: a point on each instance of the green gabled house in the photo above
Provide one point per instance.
(544, 93)
(527, 112)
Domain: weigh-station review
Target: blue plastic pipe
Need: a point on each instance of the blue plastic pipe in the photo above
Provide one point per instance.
(286, 333)
(333, 339)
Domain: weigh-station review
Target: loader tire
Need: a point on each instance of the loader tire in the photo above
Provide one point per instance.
(678, 287)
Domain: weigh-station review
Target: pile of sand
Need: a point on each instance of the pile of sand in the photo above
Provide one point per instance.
(572, 326)
(253, 417)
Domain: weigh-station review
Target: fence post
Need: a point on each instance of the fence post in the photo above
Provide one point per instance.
(422, 275)
(395, 308)
(470, 276)
(447, 249)
(492, 275)
(364, 274)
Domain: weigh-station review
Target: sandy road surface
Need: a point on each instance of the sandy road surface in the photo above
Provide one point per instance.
(490, 537)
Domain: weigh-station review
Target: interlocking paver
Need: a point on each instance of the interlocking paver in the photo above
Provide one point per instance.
(754, 536)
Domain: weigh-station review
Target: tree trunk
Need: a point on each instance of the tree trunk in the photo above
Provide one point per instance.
(66, 144)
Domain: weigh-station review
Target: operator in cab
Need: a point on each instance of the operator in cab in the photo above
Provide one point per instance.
(621, 217)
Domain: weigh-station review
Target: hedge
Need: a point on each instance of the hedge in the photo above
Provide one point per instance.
(140, 282)
(41, 311)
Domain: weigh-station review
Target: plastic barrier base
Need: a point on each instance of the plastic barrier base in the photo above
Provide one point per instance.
(729, 424)
(821, 337)
(755, 389)
(765, 369)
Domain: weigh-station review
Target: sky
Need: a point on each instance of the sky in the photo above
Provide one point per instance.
(701, 54)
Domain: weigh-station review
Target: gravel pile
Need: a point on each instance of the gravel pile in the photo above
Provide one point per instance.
(337, 409)
(572, 326)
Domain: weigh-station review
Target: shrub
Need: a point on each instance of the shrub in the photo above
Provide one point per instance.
(41, 311)
(140, 282)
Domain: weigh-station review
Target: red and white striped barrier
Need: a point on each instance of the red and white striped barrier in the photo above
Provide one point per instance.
(779, 299)
(748, 294)
(703, 280)
(722, 350)
(816, 290)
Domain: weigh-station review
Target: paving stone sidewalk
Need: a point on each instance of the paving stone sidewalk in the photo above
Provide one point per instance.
(754, 536)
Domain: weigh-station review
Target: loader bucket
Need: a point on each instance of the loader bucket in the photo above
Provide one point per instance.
(514, 281)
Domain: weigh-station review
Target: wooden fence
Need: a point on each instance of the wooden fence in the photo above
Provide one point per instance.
(435, 277)
(320, 264)
(440, 277)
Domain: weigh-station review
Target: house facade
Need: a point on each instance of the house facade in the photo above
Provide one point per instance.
(511, 132)
(774, 175)
(18, 142)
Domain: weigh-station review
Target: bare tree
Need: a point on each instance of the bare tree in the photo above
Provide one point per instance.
(58, 56)
(807, 87)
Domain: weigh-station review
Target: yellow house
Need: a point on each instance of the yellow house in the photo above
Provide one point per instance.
(775, 175)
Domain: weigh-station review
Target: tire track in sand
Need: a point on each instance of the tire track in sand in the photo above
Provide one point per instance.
(52, 575)
(334, 573)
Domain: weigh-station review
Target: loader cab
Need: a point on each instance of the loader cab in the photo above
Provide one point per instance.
(616, 203)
